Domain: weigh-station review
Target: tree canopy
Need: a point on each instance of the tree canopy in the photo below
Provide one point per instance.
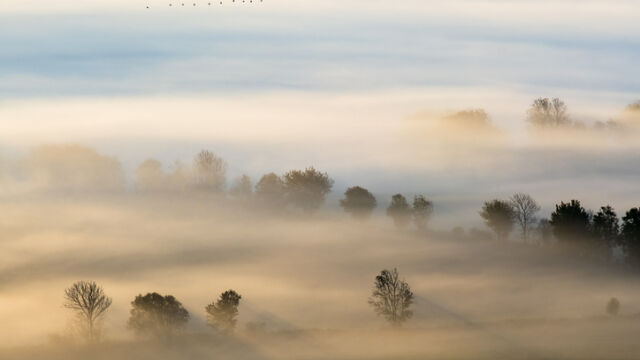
(270, 190)
(157, 315)
(421, 211)
(399, 211)
(222, 314)
(631, 235)
(571, 222)
(359, 202)
(606, 226)
(499, 217)
(392, 297)
(306, 189)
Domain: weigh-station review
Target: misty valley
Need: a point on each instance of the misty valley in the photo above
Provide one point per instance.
(180, 262)
(319, 180)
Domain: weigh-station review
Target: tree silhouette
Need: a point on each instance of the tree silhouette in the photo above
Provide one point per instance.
(270, 191)
(606, 226)
(421, 211)
(306, 189)
(391, 297)
(359, 202)
(631, 235)
(399, 211)
(571, 223)
(210, 172)
(524, 211)
(222, 313)
(499, 217)
(157, 315)
(89, 302)
(544, 112)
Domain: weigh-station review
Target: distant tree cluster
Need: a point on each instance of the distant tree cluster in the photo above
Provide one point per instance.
(501, 215)
(305, 190)
(570, 224)
(402, 213)
(162, 317)
(151, 315)
(75, 168)
(549, 113)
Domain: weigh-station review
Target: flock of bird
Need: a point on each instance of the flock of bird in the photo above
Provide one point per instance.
(209, 4)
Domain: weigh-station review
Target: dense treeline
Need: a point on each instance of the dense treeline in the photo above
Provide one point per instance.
(571, 225)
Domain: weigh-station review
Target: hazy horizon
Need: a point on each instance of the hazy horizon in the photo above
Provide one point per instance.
(126, 127)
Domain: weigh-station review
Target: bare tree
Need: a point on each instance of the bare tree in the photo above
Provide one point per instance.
(524, 211)
(89, 302)
(548, 112)
(222, 313)
(210, 172)
(392, 297)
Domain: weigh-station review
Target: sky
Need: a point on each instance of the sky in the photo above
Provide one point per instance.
(121, 48)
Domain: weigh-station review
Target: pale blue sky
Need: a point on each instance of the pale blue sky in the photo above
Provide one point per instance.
(125, 50)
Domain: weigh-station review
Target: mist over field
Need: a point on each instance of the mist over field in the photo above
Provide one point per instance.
(287, 179)
(306, 281)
